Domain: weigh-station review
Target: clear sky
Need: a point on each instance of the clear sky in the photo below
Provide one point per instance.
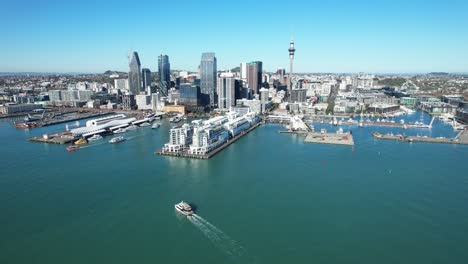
(401, 36)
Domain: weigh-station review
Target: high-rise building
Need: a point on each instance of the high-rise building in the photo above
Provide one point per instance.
(134, 74)
(254, 76)
(164, 72)
(243, 71)
(146, 76)
(208, 78)
(227, 87)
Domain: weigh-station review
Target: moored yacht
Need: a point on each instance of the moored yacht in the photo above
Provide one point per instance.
(155, 125)
(184, 208)
(120, 130)
(117, 139)
(144, 124)
(95, 137)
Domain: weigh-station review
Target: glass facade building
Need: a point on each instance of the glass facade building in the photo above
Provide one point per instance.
(208, 78)
(189, 94)
(134, 75)
(164, 73)
(146, 76)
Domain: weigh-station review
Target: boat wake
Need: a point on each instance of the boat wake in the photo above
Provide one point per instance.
(219, 239)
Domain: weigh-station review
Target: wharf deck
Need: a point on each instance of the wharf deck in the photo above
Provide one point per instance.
(330, 138)
(462, 139)
(213, 152)
(57, 138)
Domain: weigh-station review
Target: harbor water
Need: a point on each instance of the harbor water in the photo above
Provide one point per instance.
(267, 198)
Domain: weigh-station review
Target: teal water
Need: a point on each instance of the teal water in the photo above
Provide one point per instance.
(268, 198)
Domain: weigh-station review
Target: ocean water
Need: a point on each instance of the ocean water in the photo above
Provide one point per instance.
(267, 198)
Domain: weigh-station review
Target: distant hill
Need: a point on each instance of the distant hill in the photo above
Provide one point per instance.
(236, 69)
(439, 73)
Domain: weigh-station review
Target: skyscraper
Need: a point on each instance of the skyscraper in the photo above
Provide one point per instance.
(254, 75)
(208, 78)
(164, 72)
(146, 76)
(134, 74)
(243, 71)
(227, 88)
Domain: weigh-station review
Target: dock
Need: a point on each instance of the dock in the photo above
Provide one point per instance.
(213, 152)
(57, 138)
(461, 138)
(330, 138)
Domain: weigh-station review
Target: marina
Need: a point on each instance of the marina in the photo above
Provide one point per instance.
(461, 138)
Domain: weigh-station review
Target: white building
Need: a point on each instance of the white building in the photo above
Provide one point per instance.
(143, 101)
(243, 71)
(226, 90)
(121, 84)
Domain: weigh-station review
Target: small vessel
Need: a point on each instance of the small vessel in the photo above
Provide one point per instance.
(144, 124)
(72, 148)
(361, 124)
(119, 131)
(117, 139)
(95, 137)
(184, 208)
(175, 119)
(132, 127)
(155, 125)
(81, 141)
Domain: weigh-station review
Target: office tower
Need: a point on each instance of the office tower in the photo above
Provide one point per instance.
(254, 76)
(189, 94)
(264, 97)
(243, 71)
(155, 101)
(164, 72)
(291, 60)
(146, 76)
(134, 74)
(208, 78)
(227, 87)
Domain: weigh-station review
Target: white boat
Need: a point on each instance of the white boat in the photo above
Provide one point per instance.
(120, 130)
(361, 124)
(132, 127)
(184, 208)
(95, 137)
(155, 125)
(117, 139)
(144, 124)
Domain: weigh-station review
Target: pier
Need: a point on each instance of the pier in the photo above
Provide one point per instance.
(213, 152)
(330, 138)
(461, 138)
(57, 138)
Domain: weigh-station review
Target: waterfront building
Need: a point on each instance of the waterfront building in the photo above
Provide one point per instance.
(227, 87)
(173, 96)
(180, 109)
(180, 137)
(55, 95)
(254, 76)
(134, 74)
(208, 71)
(102, 124)
(408, 101)
(146, 78)
(189, 94)
(264, 99)
(143, 102)
(155, 101)
(15, 108)
(164, 73)
(382, 108)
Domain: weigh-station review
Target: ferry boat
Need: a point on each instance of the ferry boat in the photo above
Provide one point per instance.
(72, 148)
(95, 137)
(184, 208)
(144, 124)
(156, 125)
(117, 139)
(81, 141)
(119, 131)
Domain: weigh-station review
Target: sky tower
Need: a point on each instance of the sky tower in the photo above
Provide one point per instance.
(291, 60)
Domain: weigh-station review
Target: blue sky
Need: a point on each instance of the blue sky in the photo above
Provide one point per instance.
(331, 36)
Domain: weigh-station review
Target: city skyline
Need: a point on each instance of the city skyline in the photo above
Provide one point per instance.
(336, 37)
